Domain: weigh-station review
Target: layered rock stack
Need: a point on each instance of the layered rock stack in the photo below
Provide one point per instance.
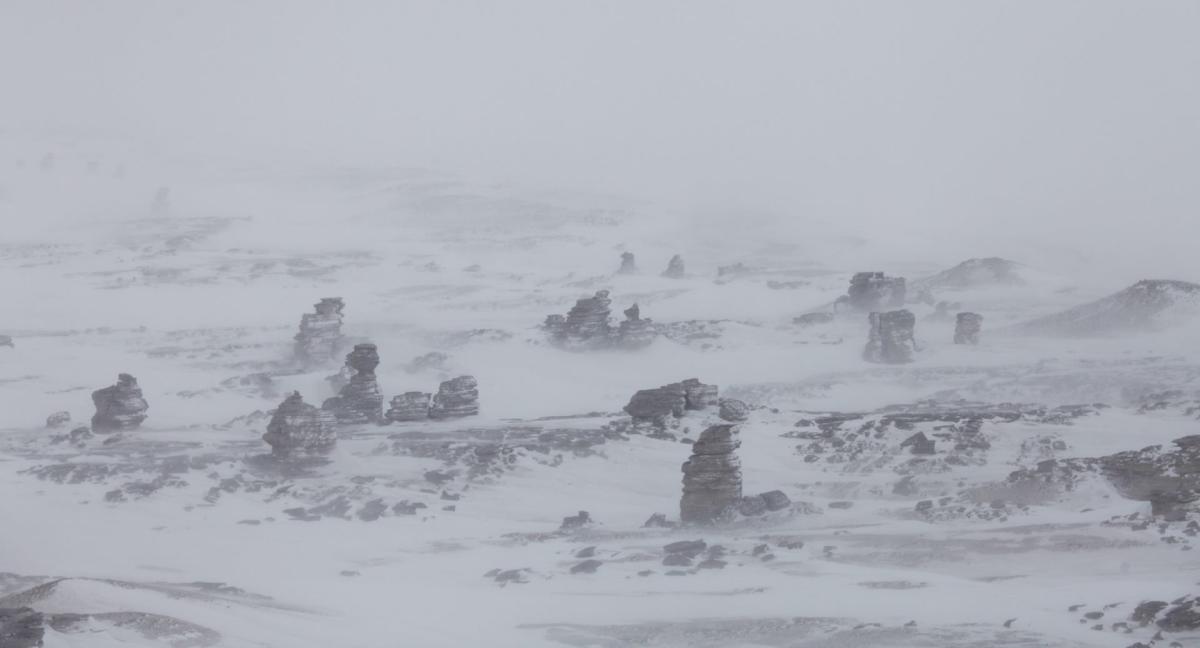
(873, 291)
(659, 407)
(360, 400)
(699, 396)
(320, 333)
(733, 410)
(967, 327)
(409, 406)
(635, 332)
(585, 324)
(456, 398)
(299, 428)
(674, 268)
(119, 407)
(628, 265)
(891, 338)
(712, 477)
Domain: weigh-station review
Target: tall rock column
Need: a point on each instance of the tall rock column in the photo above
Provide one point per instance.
(360, 400)
(967, 327)
(712, 476)
(119, 407)
(456, 398)
(628, 265)
(891, 338)
(320, 333)
(674, 268)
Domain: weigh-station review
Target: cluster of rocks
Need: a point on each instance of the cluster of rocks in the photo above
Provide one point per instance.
(587, 326)
(455, 398)
(890, 340)
(967, 327)
(660, 407)
(1179, 615)
(119, 407)
(873, 291)
(320, 334)
(712, 477)
(298, 428)
(360, 400)
(409, 406)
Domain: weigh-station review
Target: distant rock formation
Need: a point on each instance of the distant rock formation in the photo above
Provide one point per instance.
(659, 407)
(967, 327)
(119, 407)
(635, 332)
(6, 341)
(320, 333)
(21, 627)
(360, 400)
(712, 477)
(873, 291)
(628, 265)
(674, 268)
(456, 398)
(697, 395)
(58, 419)
(733, 410)
(813, 319)
(297, 427)
(767, 502)
(975, 273)
(1148, 305)
(891, 338)
(409, 406)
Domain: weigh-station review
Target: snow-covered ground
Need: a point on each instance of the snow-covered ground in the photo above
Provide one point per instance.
(185, 533)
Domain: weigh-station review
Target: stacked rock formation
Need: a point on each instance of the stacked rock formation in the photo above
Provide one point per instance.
(659, 407)
(635, 332)
(320, 333)
(628, 265)
(699, 396)
(359, 401)
(409, 406)
(455, 398)
(674, 268)
(733, 410)
(586, 324)
(298, 428)
(712, 476)
(872, 291)
(119, 407)
(967, 327)
(891, 338)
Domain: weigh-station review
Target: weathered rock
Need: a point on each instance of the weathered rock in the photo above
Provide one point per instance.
(1183, 617)
(58, 419)
(712, 477)
(674, 268)
(752, 505)
(586, 323)
(320, 334)
(872, 291)
(689, 548)
(360, 400)
(697, 395)
(80, 434)
(813, 319)
(586, 567)
(776, 500)
(409, 406)
(658, 520)
(21, 628)
(635, 332)
(891, 338)
(455, 398)
(919, 444)
(628, 265)
(657, 406)
(119, 407)
(577, 521)
(299, 428)
(1173, 506)
(967, 327)
(733, 410)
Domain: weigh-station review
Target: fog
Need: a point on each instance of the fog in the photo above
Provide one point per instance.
(991, 125)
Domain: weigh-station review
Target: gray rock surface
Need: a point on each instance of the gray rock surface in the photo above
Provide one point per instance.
(657, 406)
(699, 396)
(360, 401)
(628, 264)
(58, 419)
(6, 341)
(635, 332)
(586, 323)
(712, 477)
(456, 398)
(409, 406)
(298, 428)
(21, 628)
(320, 334)
(967, 327)
(733, 410)
(890, 340)
(872, 291)
(675, 269)
(119, 407)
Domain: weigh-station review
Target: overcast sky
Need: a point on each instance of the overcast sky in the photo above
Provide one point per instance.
(968, 115)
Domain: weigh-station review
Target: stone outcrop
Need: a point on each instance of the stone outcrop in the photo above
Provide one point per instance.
(409, 406)
(360, 400)
(699, 396)
(767, 502)
(299, 428)
(674, 268)
(320, 334)
(658, 406)
(890, 340)
(635, 332)
(58, 419)
(456, 398)
(712, 477)
(872, 291)
(21, 628)
(585, 324)
(967, 327)
(628, 265)
(119, 407)
(733, 410)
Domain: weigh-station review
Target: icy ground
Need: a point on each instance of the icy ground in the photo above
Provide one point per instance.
(186, 533)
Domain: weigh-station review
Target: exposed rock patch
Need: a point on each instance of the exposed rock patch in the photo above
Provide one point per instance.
(890, 340)
(360, 400)
(675, 268)
(873, 291)
(456, 398)
(409, 406)
(119, 407)
(297, 427)
(320, 334)
(967, 327)
(712, 477)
